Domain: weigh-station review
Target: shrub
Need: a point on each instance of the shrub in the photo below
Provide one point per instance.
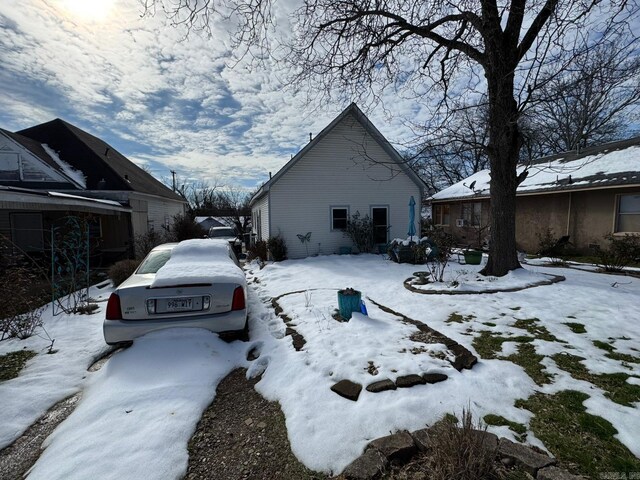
(459, 451)
(185, 228)
(360, 231)
(22, 283)
(146, 242)
(548, 246)
(120, 271)
(258, 250)
(277, 248)
(438, 253)
(622, 251)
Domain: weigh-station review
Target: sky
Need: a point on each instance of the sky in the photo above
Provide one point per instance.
(163, 99)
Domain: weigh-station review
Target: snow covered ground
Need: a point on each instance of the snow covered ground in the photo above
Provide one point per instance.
(138, 412)
(327, 431)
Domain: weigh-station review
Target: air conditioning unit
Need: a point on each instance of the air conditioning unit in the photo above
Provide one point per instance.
(461, 222)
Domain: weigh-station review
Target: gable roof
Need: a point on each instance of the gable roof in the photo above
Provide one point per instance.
(96, 159)
(69, 180)
(609, 165)
(369, 128)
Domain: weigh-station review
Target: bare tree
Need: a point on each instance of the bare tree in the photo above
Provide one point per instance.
(455, 149)
(234, 203)
(359, 46)
(592, 102)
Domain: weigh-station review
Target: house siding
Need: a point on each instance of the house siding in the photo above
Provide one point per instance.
(586, 216)
(261, 210)
(347, 167)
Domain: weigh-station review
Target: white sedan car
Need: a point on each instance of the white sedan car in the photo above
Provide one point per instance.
(195, 283)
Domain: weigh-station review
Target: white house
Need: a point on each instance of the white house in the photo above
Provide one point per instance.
(349, 167)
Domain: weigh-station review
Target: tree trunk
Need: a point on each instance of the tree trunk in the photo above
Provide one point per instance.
(503, 151)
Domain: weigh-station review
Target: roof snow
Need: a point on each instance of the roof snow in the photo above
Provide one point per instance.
(568, 171)
(76, 175)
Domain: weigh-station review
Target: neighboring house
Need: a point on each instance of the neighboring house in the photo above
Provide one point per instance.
(585, 195)
(349, 167)
(54, 170)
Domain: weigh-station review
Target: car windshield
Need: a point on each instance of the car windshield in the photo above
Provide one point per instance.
(222, 232)
(154, 261)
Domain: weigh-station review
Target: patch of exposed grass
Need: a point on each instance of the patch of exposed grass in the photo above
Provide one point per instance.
(457, 318)
(575, 437)
(614, 385)
(571, 316)
(576, 327)
(528, 359)
(488, 344)
(497, 420)
(623, 357)
(515, 308)
(12, 362)
(604, 346)
(489, 324)
(613, 354)
(538, 331)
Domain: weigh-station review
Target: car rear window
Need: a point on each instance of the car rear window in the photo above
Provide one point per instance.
(223, 232)
(154, 261)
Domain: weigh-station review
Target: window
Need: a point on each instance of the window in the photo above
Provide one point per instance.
(26, 231)
(441, 214)
(339, 216)
(9, 166)
(472, 213)
(628, 217)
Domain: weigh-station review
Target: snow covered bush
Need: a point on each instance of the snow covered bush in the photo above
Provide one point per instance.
(277, 248)
(120, 271)
(622, 251)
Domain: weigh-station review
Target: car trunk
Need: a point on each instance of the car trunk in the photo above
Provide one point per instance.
(139, 302)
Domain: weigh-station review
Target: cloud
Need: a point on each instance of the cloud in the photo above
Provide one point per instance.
(162, 100)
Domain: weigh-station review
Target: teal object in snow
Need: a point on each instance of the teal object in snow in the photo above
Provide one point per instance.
(412, 217)
(348, 302)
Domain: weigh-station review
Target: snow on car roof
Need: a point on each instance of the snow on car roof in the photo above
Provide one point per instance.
(199, 261)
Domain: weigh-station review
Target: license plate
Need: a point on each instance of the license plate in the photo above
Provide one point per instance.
(179, 304)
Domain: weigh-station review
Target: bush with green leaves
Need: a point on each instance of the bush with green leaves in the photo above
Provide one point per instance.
(277, 248)
(621, 251)
(360, 230)
(120, 271)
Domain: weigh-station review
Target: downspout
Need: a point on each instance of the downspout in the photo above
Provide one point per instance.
(569, 214)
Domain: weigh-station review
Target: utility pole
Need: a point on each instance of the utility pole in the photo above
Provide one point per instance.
(173, 173)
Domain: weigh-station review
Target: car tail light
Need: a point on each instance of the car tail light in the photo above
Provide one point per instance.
(238, 299)
(114, 312)
(151, 306)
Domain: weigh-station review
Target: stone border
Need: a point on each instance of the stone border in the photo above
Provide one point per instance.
(463, 358)
(400, 447)
(551, 281)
